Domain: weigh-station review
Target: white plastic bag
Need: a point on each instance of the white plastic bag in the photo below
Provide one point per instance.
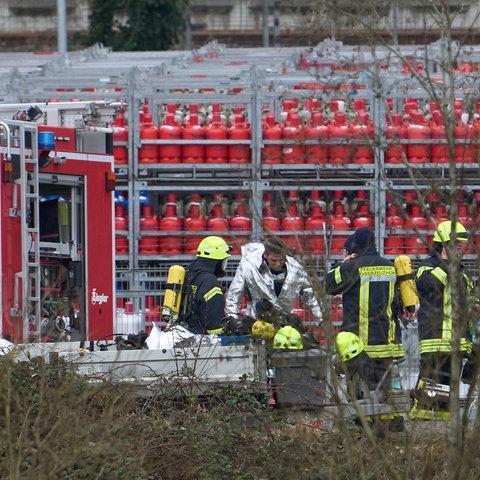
(159, 339)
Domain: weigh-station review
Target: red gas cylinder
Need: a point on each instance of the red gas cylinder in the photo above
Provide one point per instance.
(337, 105)
(120, 136)
(396, 132)
(216, 130)
(393, 220)
(148, 153)
(315, 133)
(169, 153)
(469, 223)
(148, 244)
(152, 313)
(316, 222)
(194, 222)
(339, 132)
(217, 222)
(239, 130)
(271, 223)
(394, 243)
(192, 130)
(170, 244)
(292, 222)
(439, 215)
(363, 131)
(440, 153)
(339, 222)
(240, 222)
(465, 134)
(411, 198)
(363, 217)
(360, 198)
(337, 316)
(418, 130)
(433, 199)
(416, 241)
(271, 154)
(360, 105)
(121, 225)
(292, 131)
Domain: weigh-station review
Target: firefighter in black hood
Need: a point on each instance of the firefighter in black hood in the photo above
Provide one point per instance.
(204, 301)
(367, 282)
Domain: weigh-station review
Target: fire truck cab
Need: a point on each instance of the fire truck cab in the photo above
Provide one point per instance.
(57, 232)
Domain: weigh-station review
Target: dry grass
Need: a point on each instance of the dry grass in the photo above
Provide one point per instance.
(56, 425)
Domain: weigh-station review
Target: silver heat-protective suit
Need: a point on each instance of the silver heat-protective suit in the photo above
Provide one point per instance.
(253, 276)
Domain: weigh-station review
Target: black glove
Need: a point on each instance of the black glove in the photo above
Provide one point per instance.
(294, 321)
(237, 326)
(264, 306)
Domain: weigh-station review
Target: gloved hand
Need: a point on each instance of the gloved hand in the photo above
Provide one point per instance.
(237, 326)
(264, 306)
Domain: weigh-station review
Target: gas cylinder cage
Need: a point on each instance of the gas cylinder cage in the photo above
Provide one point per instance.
(363, 87)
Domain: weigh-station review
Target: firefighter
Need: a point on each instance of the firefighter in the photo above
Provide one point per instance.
(272, 280)
(436, 316)
(371, 304)
(204, 301)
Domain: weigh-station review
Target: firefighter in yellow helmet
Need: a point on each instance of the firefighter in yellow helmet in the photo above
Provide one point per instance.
(204, 301)
(439, 311)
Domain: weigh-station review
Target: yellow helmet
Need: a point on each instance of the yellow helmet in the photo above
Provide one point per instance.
(444, 230)
(213, 247)
(263, 329)
(288, 337)
(348, 346)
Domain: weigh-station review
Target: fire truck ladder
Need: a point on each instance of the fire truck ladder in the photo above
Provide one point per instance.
(29, 213)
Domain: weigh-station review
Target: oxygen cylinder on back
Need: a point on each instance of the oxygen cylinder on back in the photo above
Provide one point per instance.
(408, 288)
(173, 292)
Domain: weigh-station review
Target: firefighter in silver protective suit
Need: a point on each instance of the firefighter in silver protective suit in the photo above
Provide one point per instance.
(272, 281)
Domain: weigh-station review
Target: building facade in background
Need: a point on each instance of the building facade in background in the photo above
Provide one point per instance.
(32, 24)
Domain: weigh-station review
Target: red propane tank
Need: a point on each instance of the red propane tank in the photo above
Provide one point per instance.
(169, 153)
(192, 130)
(271, 154)
(148, 244)
(239, 130)
(120, 139)
(170, 244)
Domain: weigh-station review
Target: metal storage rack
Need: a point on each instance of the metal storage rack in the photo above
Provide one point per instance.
(105, 81)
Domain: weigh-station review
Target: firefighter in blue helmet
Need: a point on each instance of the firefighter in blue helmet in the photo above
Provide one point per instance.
(204, 301)
(367, 282)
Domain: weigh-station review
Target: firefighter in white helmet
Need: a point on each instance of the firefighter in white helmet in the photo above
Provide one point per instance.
(203, 299)
(439, 311)
(272, 280)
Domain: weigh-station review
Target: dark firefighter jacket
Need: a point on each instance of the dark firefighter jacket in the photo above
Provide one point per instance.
(368, 285)
(435, 315)
(203, 297)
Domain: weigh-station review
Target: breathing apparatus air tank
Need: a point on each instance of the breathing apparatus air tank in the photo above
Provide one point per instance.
(408, 288)
(173, 292)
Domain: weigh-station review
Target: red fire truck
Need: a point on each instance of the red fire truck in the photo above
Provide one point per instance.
(57, 232)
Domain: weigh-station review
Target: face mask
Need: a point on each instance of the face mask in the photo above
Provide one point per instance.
(224, 264)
